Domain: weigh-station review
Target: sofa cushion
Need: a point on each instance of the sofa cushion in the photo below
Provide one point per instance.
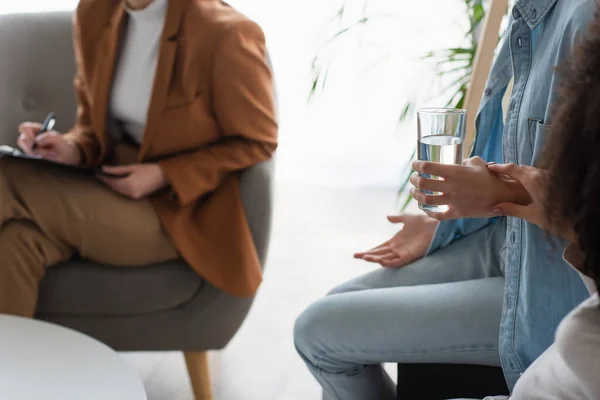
(81, 287)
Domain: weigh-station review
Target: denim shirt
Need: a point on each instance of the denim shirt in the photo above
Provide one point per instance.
(540, 288)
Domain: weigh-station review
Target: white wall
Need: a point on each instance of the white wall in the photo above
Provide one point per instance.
(349, 137)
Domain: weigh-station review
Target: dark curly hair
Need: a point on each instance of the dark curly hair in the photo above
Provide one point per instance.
(572, 152)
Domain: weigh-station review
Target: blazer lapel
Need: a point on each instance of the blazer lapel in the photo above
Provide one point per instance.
(106, 56)
(164, 71)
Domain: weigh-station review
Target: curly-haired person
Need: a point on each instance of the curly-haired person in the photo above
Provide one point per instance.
(565, 194)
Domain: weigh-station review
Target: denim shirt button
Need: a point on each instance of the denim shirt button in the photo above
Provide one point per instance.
(520, 42)
(513, 238)
(488, 91)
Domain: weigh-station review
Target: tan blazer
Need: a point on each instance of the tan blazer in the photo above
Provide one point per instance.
(211, 115)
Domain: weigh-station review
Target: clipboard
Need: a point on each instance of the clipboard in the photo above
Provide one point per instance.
(7, 151)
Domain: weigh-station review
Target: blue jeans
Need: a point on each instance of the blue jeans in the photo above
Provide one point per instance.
(444, 308)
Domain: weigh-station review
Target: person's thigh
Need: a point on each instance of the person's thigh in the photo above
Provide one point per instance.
(475, 256)
(79, 211)
(454, 322)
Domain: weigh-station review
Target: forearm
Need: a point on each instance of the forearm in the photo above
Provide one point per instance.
(87, 145)
(192, 175)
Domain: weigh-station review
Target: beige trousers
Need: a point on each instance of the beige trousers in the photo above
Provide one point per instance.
(48, 216)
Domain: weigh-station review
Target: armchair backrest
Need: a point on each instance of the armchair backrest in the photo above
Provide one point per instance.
(36, 71)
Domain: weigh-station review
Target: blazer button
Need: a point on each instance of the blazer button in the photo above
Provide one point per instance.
(488, 91)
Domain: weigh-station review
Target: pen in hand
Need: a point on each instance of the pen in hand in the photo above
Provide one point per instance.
(46, 126)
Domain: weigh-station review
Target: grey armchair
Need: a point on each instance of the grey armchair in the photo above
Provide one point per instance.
(154, 308)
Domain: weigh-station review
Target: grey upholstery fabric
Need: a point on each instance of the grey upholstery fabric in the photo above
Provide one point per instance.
(159, 307)
(81, 287)
(36, 71)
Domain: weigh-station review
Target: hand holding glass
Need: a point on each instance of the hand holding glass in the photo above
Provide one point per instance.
(441, 136)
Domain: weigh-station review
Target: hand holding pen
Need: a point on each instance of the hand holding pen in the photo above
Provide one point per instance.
(29, 132)
(40, 140)
(48, 125)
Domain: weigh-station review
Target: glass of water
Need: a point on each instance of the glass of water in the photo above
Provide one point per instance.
(441, 136)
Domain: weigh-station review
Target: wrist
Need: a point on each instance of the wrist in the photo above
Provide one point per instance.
(162, 176)
(76, 153)
(429, 222)
(522, 196)
(511, 193)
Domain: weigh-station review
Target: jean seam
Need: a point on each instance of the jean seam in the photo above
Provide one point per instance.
(319, 359)
(319, 371)
(436, 351)
(331, 387)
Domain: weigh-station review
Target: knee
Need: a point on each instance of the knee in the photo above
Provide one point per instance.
(354, 285)
(19, 248)
(343, 288)
(312, 330)
(20, 271)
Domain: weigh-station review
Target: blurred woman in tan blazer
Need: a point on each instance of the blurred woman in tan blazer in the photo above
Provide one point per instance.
(184, 84)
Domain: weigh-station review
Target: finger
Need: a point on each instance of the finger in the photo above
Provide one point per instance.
(396, 262)
(396, 219)
(363, 253)
(25, 143)
(507, 179)
(429, 199)
(422, 183)
(30, 125)
(436, 169)
(379, 259)
(378, 251)
(382, 259)
(526, 167)
(385, 256)
(502, 168)
(372, 259)
(30, 129)
(115, 184)
(48, 139)
(510, 170)
(532, 173)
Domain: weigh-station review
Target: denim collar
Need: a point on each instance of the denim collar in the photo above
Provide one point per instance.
(534, 11)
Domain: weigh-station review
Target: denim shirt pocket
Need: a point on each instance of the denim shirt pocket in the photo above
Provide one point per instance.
(538, 133)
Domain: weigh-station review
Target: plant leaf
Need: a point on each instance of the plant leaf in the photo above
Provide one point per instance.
(406, 203)
(407, 110)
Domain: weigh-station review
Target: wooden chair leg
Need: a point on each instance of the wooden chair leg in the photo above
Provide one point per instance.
(197, 365)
